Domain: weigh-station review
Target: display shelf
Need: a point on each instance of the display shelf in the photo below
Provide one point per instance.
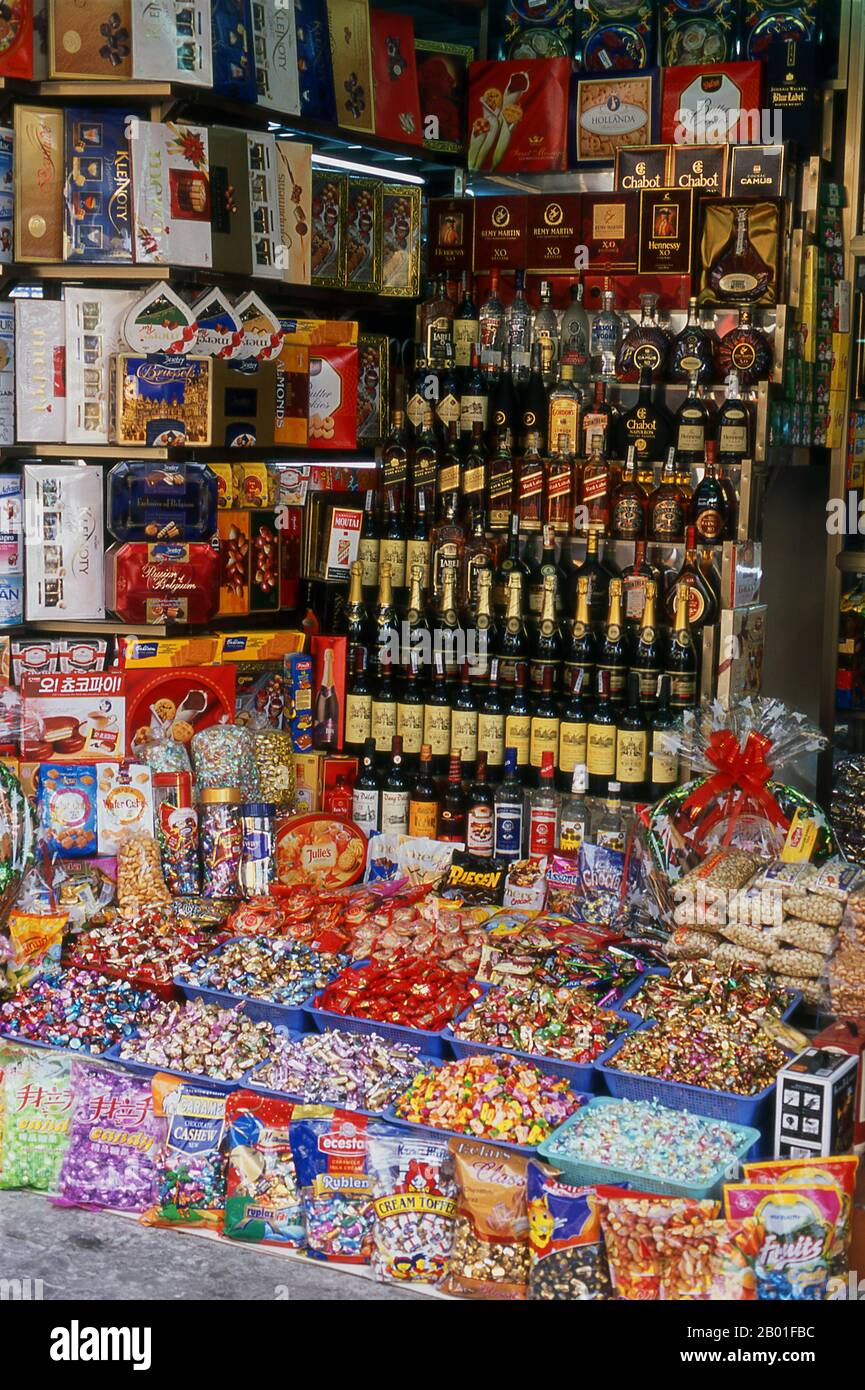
(92, 452)
(80, 627)
(851, 561)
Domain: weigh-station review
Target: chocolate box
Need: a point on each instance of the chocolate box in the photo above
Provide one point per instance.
(294, 183)
(611, 112)
(400, 240)
(230, 226)
(16, 41)
(291, 420)
(553, 234)
(711, 105)
(277, 76)
(73, 717)
(329, 201)
(40, 380)
(178, 702)
(704, 33)
(333, 397)
(265, 222)
(64, 535)
(610, 223)
(397, 102)
(39, 167)
(94, 333)
(442, 79)
(351, 59)
(233, 58)
(666, 231)
(172, 43)
(234, 557)
(450, 233)
(90, 38)
(518, 115)
(165, 582)
(500, 232)
(153, 501)
(317, 99)
(264, 562)
(98, 224)
(7, 376)
(171, 187)
(244, 403)
(607, 44)
(363, 235)
(7, 196)
(162, 402)
(372, 388)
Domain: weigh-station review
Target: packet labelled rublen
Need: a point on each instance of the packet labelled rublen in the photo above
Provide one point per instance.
(63, 527)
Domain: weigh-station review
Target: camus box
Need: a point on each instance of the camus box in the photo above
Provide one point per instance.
(64, 536)
(553, 234)
(814, 1104)
(168, 582)
(74, 717)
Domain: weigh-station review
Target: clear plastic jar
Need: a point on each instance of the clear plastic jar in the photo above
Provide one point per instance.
(176, 832)
(220, 841)
(258, 848)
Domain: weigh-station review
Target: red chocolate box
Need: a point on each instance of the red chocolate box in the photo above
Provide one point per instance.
(177, 702)
(164, 583)
(712, 105)
(518, 115)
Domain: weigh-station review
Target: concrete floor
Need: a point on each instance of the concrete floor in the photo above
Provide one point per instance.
(91, 1256)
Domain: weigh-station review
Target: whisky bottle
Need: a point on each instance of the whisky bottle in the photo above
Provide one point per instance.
(437, 719)
(534, 407)
(452, 812)
(393, 542)
(559, 505)
(491, 725)
(447, 406)
(601, 739)
(491, 330)
(580, 653)
(500, 493)
(629, 503)
(545, 726)
(478, 558)
(595, 428)
(564, 412)
(417, 399)
(504, 410)
(479, 813)
(474, 475)
(448, 537)
(474, 397)
(518, 722)
(681, 663)
(613, 647)
(739, 275)
(647, 657)
(395, 793)
(353, 622)
(423, 801)
(746, 351)
(595, 488)
(465, 329)
(483, 626)
(384, 714)
(385, 635)
(464, 723)
(448, 637)
(632, 746)
(530, 486)
(645, 347)
(546, 646)
(437, 318)
(668, 513)
(366, 793)
(368, 547)
(574, 336)
(663, 763)
(510, 563)
(417, 547)
(546, 335)
(410, 714)
(513, 638)
(693, 351)
(573, 732)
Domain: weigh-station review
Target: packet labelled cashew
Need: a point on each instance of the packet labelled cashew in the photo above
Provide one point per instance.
(124, 802)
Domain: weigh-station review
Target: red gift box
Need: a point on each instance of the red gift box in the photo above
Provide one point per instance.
(394, 71)
(168, 582)
(179, 701)
(518, 115)
(16, 52)
(701, 103)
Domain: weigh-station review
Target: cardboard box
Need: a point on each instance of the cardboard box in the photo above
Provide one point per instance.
(136, 654)
(351, 59)
(363, 235)
(277, 75)
(611, 112)
(267, 251)
(610, 224)
(171, 194)
(244, 403)
(847, 1035)
(741, 573)
(814, 1104)
(666, 231)
(518, 115)
(308, 781)
(234, 560)
(97, 202)
(171, 44)
(7, 376)
(258, 659)
(39, 184)
(229, 197)
(7, 196)
(298, 671)
(397, 100)
(233, 55)
(450, 233)
(162, 402)
(86, 39)
(94, 332)
(701, 167)
(641, 166)
(64, 534)
(554, 234)
(742, 639)
(317, 99)
(294, 189)
(500, 233)
(179, 702)
(165, 582)
(74, 718)
(711, 104)
(442, 77)
(40, 381)
(400, 240)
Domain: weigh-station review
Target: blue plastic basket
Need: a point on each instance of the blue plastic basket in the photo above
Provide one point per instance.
(282, 1016)
(755, 1110)
(18, 1040)
(793, 996)
(582, 1173)
(431, 1044)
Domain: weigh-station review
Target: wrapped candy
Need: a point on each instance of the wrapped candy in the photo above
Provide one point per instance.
(200, 1039)
(77, 1010)
(35, 1116)
(353, 1070)
(113, 1141)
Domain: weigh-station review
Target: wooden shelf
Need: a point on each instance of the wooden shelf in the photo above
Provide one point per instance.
(83, 451)
(80, 627)
(73, 89)
(42, 270)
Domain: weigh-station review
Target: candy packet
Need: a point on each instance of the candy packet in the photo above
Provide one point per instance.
(475, 880)
(709, 1261)
(113, 1142)
(796, 1232)
(191, 1162)
(840, 1170)
(413, 1207)
(262, 1204)
(632, 1226)
(330, 1149)
(567, 1259)
(36, 1112)
(490, 1253)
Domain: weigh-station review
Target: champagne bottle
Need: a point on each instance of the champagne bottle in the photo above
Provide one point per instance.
(513, 638)
(354, 619)
(546, 643)
(681, 665)
(325, 729)
(491, 725)
(613, 647)
(410, 714)
(632, 746)
(580, 656)
(437, 719)
(386, 638)
(518, 722)
(573, 734)
(648, 654)
(464, 723)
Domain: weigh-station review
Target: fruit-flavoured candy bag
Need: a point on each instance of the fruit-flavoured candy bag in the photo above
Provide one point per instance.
(262, 1204)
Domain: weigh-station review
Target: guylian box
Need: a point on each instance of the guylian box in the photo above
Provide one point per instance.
(91, 39)
(39, 168)
(40, 381)
(63, 527)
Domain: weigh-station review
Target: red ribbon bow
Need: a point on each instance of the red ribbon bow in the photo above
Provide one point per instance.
(738, 785)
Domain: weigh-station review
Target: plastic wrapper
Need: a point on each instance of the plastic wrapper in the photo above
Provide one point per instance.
(708, 1262)
(413, 1207)
(223, 755)
(274, 763)
(140, 882)
(262, 1205)
(407, 861)
(161, 752)
(17, 837)
(735, 801)
(490, 1253)
(567, 1259)
(795, 1233)
(191, 1162)
(633, 1226)
(330, 1149)
(840, 1171)
(36, 1106)
(113, 1141)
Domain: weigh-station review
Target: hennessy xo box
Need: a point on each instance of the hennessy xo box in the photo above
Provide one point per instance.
(553, 234)
(666, 231)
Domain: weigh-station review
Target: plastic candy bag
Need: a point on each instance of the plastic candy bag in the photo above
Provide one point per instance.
(413, 1207)
(796, 1233)
(632, 1226)
(490, 1255)
(567, 1256)
(331, 1162)
(191, 1164)
(36, 1110)
(262, 1204)
(113, 1142)
(840, 1170)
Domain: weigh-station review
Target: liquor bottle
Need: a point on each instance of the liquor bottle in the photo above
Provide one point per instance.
(395, 793)
(645, 347)
(368, 546)
(481, 623)
(423, 800)
(632, 746)
(609, 831)
(613, 647)
(561, 477)
(546, 646)
(734, 427)
(544, 737)
(437, 718)
(629, 503)
(518, 723)
(530, 486)
(417, 623)
(645, 425)
(417, 398)
(595, 488)
(478, 557)
(449, 482)
(383, 727)
(538, 572)
(410, 714)
(464, 722)
(596, 423)
(513, 641)
(510, 563)
(708, 570)
(353, 622)
(417, 547)
(580, 647)
(598, 576)
(534, 407)
(668, 506)
(358, 707)
(509, 811)
(635, 578)
(395, 456)
(693, 350)
(518, 331)
(692, 423)
(366, 793)
(703, 608)
(681, 663)
(491, 725)
(447, 406)
(325, 728)
(452, 812)
(474, 397)
(474, 474)
(500, 491)
(446, 631)
(546, 334)
(491, 330)
(663, 763)
(385, 634)
(479, 813)
(648, 655)
(601, 739)
(393, 542)
(465, 329)
(564, 412)
(544, 813)
(746, 351)
(504, 410)
(605, 338)
(575, 819)
(709, 506)
(574, 335)
(437, 319)
(573, 732)
(738, 274)
(448, 537)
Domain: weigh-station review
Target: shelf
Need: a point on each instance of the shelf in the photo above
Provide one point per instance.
(73, 89)
(851, 561)
(80, 627)
(35, 450)
(69, 274)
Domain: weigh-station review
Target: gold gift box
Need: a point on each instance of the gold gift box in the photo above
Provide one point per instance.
(765, 229)
(39, 177)
(351, 56)
(372, 388)
(400, 240)
(327, 253)
(362, 236)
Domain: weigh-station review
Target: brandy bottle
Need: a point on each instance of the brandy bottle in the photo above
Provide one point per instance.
(739, 275)
(693, 350)
(746, 351)
(645, 347)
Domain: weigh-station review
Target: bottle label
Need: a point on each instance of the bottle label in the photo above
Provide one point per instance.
(473, 479)
(479, 831)
(464, 734)
(564, 419)
(647, 678)
(448, 409)
(571, 671)
(618, 681)
(743, 355)
(692, 439)
(664, 764)
(668, 520)
(595, 486)
(647, 355)
(738, 282)
(437, 729)
(635, 597)
(417, 553)
(393, 553)
(383, 726)
(465, 337)
(531, 484)
(491, 738)
(611, 839)
(733, 439)
(572, 833)
(364, 809)
(709, 523)
(632, 753)
(423, 818)
(537, 668)
(544, 739)
(409, 726)
(572, 745)
(627, 518)
(358, 718)
(507, 671)
(394, 813)
(689, 363)
(543, 824)
(415, 409)
(509, 829)
(601, 750)
(367, 553)
(472, 408)
(518, 735)
(449, 478)
(559, 479)
(683, 689)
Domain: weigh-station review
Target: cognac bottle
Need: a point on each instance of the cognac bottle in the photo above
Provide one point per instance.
(739, 275)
